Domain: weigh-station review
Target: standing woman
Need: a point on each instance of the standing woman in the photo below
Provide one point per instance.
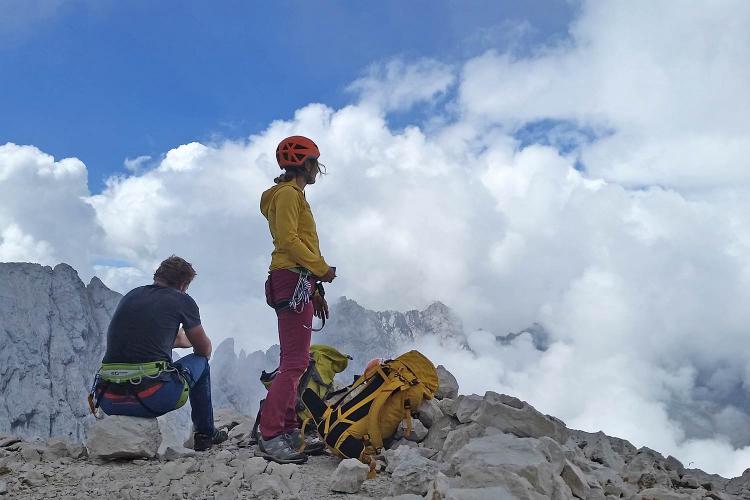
(291, 289)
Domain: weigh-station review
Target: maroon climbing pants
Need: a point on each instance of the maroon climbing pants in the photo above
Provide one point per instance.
(278, 414)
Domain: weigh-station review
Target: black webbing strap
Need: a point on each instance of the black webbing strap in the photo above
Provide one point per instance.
(254, 432)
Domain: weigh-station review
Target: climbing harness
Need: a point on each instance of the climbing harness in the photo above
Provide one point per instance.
(303, 293)
(129, 376)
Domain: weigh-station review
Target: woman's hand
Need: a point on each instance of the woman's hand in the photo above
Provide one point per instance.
(329, 276)
(320, 306)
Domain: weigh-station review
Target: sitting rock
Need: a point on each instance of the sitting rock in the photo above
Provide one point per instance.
(516, 417)
(349, 476)
(448, 385)
(124, 437)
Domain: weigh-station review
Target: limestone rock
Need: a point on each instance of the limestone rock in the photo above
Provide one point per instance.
(460, 437)
(465, 406)
(413, 474)
(662, 493)
(349, 476)
(429, 412)
(254, 467)
(418, 432)
(438, 433)
(598, 448)
(288, 475)
(486, 461)
(646, 469)
(447, 406)
(516, 417)
(124, 437)
(576, 480)
(394, 456)
(176, 452)
(174, 471)
(267, 486)
(490, 493)
(448, 387)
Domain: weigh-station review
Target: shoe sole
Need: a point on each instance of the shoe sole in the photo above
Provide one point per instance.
(271, 458)
(315, 452)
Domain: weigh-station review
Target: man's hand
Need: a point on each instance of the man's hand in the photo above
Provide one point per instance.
(320, 306)
(329, 276)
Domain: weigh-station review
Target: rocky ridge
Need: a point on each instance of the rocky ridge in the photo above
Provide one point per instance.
(468, 447)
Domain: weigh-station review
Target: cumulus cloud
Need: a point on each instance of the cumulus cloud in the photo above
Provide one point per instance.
(598, 186)
(398, 85)
(43, 215)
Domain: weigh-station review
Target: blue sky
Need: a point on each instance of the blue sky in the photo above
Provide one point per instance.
(104, 81)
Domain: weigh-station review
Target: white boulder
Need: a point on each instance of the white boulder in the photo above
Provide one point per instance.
(516, 417)
(413, 474)
(349, 476)
(124, 437)
(487, 460)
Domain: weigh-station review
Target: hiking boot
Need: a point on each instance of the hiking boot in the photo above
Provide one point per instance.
(202, 442)
(313, 445)
(279, 450)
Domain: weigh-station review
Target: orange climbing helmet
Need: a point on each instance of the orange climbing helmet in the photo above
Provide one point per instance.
(294, 150)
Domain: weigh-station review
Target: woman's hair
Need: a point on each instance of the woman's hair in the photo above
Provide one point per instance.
(174, 271)
(292, 172)
(289, 174)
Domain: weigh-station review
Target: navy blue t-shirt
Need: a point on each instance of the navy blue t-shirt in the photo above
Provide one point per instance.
(146, 322)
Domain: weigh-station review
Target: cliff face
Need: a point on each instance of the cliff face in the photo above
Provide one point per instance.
(52, 337)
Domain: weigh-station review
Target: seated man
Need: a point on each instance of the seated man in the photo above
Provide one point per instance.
(138, 377)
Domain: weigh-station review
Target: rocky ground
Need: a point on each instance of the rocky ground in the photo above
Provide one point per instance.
(462, 448)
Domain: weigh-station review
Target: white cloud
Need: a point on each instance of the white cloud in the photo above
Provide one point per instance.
(638, 264)
(15, 246)
(135, 165)
(42, 208)
(398, 85)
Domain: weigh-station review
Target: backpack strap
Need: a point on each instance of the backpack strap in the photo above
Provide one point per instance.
(391, 385)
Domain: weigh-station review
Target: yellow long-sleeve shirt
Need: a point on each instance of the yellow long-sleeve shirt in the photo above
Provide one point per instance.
(295, 238)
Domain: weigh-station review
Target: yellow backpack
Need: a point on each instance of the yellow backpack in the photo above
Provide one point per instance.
(356, 425)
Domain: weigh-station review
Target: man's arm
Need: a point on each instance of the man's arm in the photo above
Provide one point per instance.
(199, 340)
(181, 340)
